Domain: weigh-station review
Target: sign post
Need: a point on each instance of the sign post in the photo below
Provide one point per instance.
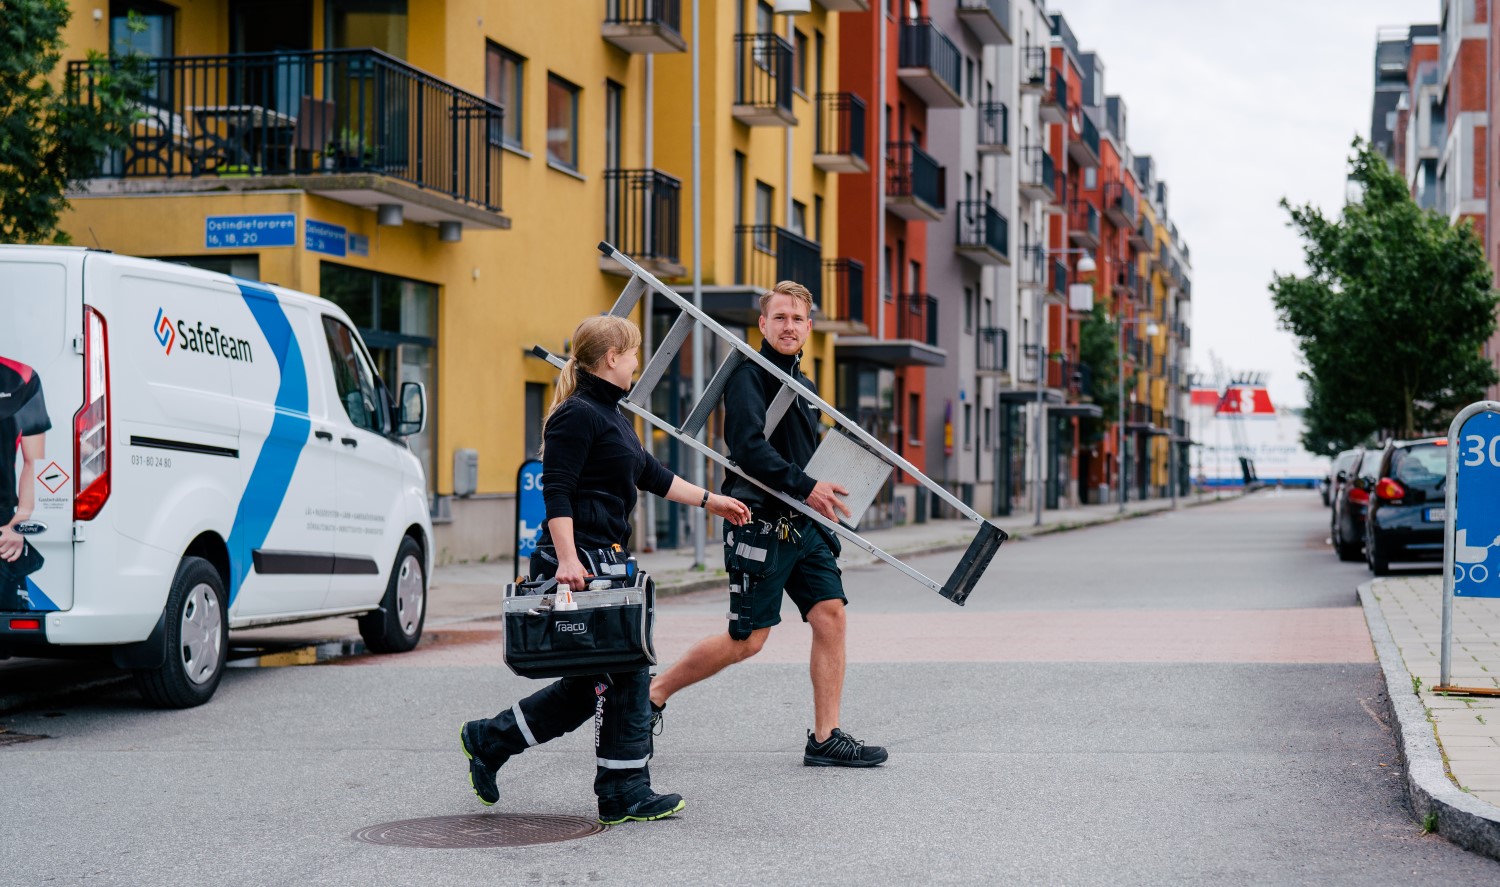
(531, 511)
(1471, 529)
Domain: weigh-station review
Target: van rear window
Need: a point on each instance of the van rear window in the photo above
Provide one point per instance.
(1422, 465)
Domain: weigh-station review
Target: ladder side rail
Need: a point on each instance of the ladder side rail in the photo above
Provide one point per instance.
(742, 346)
(724, 461)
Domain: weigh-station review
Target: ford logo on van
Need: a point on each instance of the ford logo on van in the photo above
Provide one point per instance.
(165, 335)
(29, 528)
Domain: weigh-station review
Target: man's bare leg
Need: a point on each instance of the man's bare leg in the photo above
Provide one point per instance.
(707, 658)
(826, 665)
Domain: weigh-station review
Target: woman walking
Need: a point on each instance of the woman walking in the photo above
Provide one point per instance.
(592, 465)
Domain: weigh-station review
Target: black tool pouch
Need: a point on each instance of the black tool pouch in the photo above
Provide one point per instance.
(610, 630)
(750, 554)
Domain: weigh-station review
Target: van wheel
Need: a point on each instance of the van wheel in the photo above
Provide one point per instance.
(197, 640)
(397, 626)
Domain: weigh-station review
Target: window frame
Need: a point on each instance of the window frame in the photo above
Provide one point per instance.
(514, 104)
(574, 93)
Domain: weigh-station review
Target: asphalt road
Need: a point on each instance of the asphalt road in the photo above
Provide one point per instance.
(1177, 699)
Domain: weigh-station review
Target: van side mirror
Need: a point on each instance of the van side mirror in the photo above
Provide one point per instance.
(412, 410)
(1343, 476)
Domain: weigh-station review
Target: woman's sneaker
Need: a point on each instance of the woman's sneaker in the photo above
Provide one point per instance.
(481, 778)
(841, 750)
(649, 808)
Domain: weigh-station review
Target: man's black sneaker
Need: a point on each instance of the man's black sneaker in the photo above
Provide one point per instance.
(481, 778)
(841, 750)
(646, 809)
(657, 718)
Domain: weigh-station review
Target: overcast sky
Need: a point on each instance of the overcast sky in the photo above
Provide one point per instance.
(1242, 104)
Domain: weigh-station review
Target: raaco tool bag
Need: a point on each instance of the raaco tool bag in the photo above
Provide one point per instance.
(610, 629)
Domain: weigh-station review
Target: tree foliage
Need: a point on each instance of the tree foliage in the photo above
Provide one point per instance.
(1391, 316)
(1098, 343)
(51, 137)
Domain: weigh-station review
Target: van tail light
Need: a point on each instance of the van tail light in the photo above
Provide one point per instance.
(1359, 497)
(91, 424)
(1390, 490)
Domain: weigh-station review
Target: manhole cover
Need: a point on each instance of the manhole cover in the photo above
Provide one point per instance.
(479, 830)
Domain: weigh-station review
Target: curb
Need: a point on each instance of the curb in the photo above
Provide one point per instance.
(1460, 817)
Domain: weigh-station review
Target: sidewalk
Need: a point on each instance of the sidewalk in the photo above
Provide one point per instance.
(1450, 744)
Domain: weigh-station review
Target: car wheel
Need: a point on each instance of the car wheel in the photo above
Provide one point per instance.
(397, 626)
(1378, 561)
(197, 640)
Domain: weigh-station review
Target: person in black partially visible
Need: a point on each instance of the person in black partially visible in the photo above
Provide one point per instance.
(787, 551)
(23, 426)
(592, 465)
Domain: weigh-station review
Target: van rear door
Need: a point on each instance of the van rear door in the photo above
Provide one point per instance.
(41, 391)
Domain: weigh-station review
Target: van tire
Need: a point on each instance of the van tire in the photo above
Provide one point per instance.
(397, 626)
(193, 665)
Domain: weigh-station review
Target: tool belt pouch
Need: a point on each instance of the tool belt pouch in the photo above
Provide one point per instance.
(610, 631)
(750, 554)
(13, 575)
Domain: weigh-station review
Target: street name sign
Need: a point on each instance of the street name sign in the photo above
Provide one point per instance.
(258, 231)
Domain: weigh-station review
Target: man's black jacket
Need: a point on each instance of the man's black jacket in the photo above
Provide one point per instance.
(777, 463)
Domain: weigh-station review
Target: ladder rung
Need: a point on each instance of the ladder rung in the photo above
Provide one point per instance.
(711, 394)
(782, 402)
(629, 297)
(666, 352)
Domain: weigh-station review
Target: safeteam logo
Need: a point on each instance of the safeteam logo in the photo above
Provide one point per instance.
(166, 336)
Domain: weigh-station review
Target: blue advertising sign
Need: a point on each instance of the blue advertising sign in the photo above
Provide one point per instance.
(1476, 517)
(531, 511)
(250, 232)
(324, 237)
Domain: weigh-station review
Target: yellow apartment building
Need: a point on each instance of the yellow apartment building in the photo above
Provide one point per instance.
(444, 171)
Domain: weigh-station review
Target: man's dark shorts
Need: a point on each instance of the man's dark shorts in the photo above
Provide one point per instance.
(805, 567)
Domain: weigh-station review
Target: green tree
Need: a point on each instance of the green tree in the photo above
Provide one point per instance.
(51, 137)
(1098, 343)
(1391, 316)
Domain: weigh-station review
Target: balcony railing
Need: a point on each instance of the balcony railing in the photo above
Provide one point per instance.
(1034, 68)
(763, 80)
(913, 173)
(1085, 149)
(982, 227)
(1070, 376)
(1059, 278)
(768, 254)
(308, 113)
(1083, 224)
(916, 317)
(923, 47)
(1055, 102)
(844, 289)
(644, 26)
(994, 349)
(841, 133)
(1033, 266)
(994, 127)
(1038, 174)
(1120, 204)
(643, 214)
(1141, 234)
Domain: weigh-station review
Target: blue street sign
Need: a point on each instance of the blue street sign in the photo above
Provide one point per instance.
(359, 245)
(1476, 512)
(531, 511)
(324, 237)
(250, 232)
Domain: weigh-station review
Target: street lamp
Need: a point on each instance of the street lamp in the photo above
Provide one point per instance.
(1151, 330)
(1085, 266)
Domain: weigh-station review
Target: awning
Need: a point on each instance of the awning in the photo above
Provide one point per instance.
(889, 352)
(1080, 410)
(1028, 395)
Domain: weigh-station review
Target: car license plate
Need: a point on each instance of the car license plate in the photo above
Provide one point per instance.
(1437, 515)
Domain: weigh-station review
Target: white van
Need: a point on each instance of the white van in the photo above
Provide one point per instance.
(183, 453)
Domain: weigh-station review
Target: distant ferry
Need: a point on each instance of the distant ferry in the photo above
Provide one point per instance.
(1239, 435)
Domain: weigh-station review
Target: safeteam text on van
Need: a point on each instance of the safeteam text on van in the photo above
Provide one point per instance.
(213, 342)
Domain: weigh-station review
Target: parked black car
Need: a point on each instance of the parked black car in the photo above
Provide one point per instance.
(1405, 518)
(1349, 499)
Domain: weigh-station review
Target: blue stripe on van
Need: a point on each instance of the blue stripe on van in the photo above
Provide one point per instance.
(290, 426)
(39, 601)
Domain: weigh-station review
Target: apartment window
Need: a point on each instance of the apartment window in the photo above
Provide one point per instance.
(914, 278)
(969, 80)
(614, 122)
(799, 62)
(989, 440)
(819, 51)
(503, 81)
(968, 309)
(765, 201)
(765, 18)
(536, 405)
(914, 418)
(818, 217)
(739, 214)
(889, 272)
(799, 218)
(1090, 177)
(562, 122)
(968, 426)
(154, 41)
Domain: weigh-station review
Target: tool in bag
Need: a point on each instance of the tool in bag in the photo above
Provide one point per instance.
(552, 631)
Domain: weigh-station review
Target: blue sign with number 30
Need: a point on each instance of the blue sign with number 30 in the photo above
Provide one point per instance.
(1476, 521)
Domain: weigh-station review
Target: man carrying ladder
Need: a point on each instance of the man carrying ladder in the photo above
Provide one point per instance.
(780, 550)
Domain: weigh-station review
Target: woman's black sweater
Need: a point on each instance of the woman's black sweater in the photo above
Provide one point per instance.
(592, 464)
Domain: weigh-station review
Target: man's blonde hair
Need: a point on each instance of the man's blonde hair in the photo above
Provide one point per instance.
(787, 288)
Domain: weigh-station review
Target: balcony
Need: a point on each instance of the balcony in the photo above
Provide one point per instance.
(642, 27)
(1124, 278)
(842, 309)
(1070, 376)
(1034, 69)
(1120, 206)
(845, 5)
(354, 125)
(994, 128)
(841, 133)
(1083, 224)
(1141, 235)
(642, 218)
(993, 357)
(1139, 417)
(915, 186)
(763, 81)
(929, 64)
(1038, 176)
(1059, 279)
(1054, 104)
(764, 255)
(1083, 147)
(983, 234)
(916, 318)
(1031, 273)
(988, 19)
